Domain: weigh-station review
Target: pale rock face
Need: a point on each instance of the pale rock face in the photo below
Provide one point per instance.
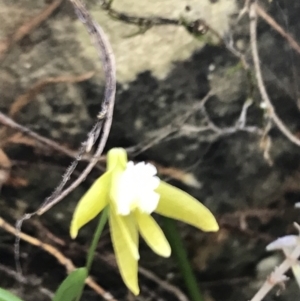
(161, 46)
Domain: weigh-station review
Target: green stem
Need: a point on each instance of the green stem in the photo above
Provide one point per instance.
(179, 251)
(102, 221)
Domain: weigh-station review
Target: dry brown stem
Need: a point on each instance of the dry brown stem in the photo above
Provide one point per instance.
(260, 82)
(33, 91)
(266, 17)
(5, 120)
(63, 260)
(277, 276)
(105, 115)
(27, 27)
(22, 101)
(151, 276)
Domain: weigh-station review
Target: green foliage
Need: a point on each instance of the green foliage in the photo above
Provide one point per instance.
(71, 287)
(7, 296)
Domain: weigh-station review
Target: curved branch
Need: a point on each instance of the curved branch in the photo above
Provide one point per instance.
(105, 115)
(260, 82)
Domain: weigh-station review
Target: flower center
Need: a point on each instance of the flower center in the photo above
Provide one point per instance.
(136, 189)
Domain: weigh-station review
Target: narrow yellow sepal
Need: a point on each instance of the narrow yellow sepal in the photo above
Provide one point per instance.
(116, 164)
(127, 262)
(177, 204)
(91, 204)
(152, 234)
(116, 157)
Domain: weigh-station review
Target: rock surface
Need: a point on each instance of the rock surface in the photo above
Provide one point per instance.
(162, 75)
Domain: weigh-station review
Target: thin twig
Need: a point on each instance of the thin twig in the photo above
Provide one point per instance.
(260, 82)
(196, 27)
(277, 275)
(30, 281)
(240, 124)
(108, 258)
(61, 258)
(136, 20)
(27, 97)
(105, 115)
(266, 17)
(5, 120)
(27, 27)
(164, 284)
(32, 92)
(169, 129)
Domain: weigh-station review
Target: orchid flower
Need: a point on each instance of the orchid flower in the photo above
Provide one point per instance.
(133, 192)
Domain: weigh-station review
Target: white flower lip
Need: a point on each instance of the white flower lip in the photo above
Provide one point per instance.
(136, 189)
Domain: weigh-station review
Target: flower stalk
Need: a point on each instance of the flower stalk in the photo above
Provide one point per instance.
(91, 254)
(179, 251)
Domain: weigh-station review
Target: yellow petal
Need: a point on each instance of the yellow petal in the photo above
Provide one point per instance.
(177, 204)
(152, 234)
(91, 204)
(122, 238)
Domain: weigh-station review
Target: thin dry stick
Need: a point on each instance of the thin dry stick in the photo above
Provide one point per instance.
(164, 284)
(278, 275)
(262, 13)
(28, 27)
(32, 92)
(32, 281)
(260, 82)
(63, 260)
(27, 97)
(195, 27)
(105, 116)
(5, 120)
(110, 259)
(170, 128)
